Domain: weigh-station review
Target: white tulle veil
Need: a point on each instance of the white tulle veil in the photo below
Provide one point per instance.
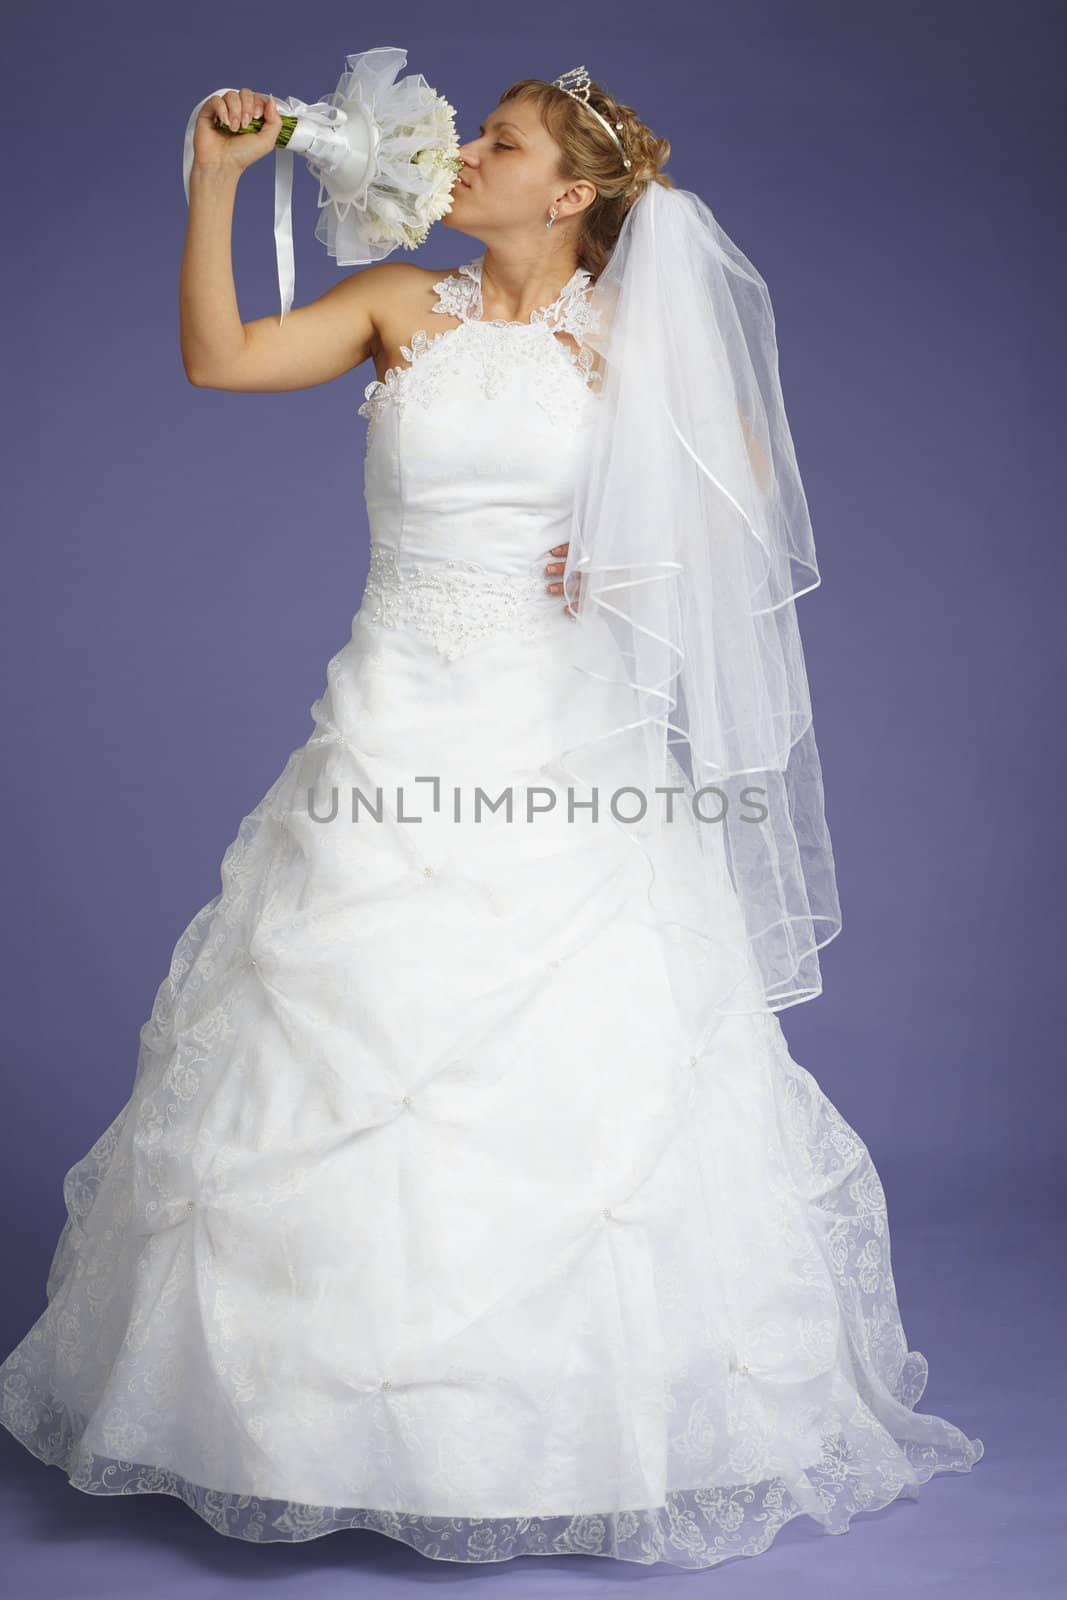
(693, 540)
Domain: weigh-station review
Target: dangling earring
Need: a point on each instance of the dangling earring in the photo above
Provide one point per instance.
(552, 218)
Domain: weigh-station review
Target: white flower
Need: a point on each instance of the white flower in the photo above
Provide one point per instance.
(414, 166)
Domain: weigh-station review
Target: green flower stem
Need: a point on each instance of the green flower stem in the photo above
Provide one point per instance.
(288, 124)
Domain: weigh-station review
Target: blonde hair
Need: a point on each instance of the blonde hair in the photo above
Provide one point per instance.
(587, 150)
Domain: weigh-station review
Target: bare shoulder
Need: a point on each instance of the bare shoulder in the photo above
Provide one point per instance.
(401, 296)
(389, 282)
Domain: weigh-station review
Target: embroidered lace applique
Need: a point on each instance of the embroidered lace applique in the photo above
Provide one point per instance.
(460, 296)
(455, 294)
(455, 604)
(395, 384)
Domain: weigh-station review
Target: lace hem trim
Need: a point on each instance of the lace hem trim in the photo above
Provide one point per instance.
(695, 1528)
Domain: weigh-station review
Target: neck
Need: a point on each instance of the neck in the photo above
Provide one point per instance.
(513, 286)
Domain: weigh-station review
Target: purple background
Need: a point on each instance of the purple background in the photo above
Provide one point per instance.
(181, 564)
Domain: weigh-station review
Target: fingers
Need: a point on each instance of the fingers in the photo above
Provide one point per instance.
(555, 569)
(237, 107)
(227, 108)
(576, 581)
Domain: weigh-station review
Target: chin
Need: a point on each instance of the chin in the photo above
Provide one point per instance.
(453, 220)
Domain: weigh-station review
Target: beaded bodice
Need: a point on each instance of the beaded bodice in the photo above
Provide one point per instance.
(472, 450)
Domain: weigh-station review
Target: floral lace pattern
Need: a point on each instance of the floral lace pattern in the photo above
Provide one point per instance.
(455, 604)
(503, 356)
(395, 385)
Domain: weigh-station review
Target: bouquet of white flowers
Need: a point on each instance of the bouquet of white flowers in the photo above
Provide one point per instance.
(385, 152)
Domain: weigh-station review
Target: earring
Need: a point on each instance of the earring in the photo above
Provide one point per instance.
(552, 218)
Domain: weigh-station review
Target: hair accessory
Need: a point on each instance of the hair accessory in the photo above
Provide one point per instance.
(579, 78)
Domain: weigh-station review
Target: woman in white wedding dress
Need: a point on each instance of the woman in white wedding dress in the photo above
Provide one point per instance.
(443, 1203)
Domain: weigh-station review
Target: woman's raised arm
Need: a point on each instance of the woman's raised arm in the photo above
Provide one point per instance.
(316, 342)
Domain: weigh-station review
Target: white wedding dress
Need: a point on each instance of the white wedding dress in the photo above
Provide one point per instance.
(438, 1207)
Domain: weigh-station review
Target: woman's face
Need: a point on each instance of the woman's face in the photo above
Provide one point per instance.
(509, 176)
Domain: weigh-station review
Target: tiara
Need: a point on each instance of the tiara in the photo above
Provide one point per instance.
(576, 84)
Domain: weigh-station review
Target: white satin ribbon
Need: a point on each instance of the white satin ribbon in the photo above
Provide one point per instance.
(315, 121)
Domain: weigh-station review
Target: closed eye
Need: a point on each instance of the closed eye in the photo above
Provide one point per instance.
(498, 145)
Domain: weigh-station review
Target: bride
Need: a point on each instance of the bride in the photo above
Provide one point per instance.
(467, 1190)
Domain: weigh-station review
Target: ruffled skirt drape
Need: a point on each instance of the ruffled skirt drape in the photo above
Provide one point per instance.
(439, 1207)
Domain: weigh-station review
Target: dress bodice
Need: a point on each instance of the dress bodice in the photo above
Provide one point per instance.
(472, 447)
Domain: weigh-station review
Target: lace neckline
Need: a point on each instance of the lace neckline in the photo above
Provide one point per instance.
(463, 297)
